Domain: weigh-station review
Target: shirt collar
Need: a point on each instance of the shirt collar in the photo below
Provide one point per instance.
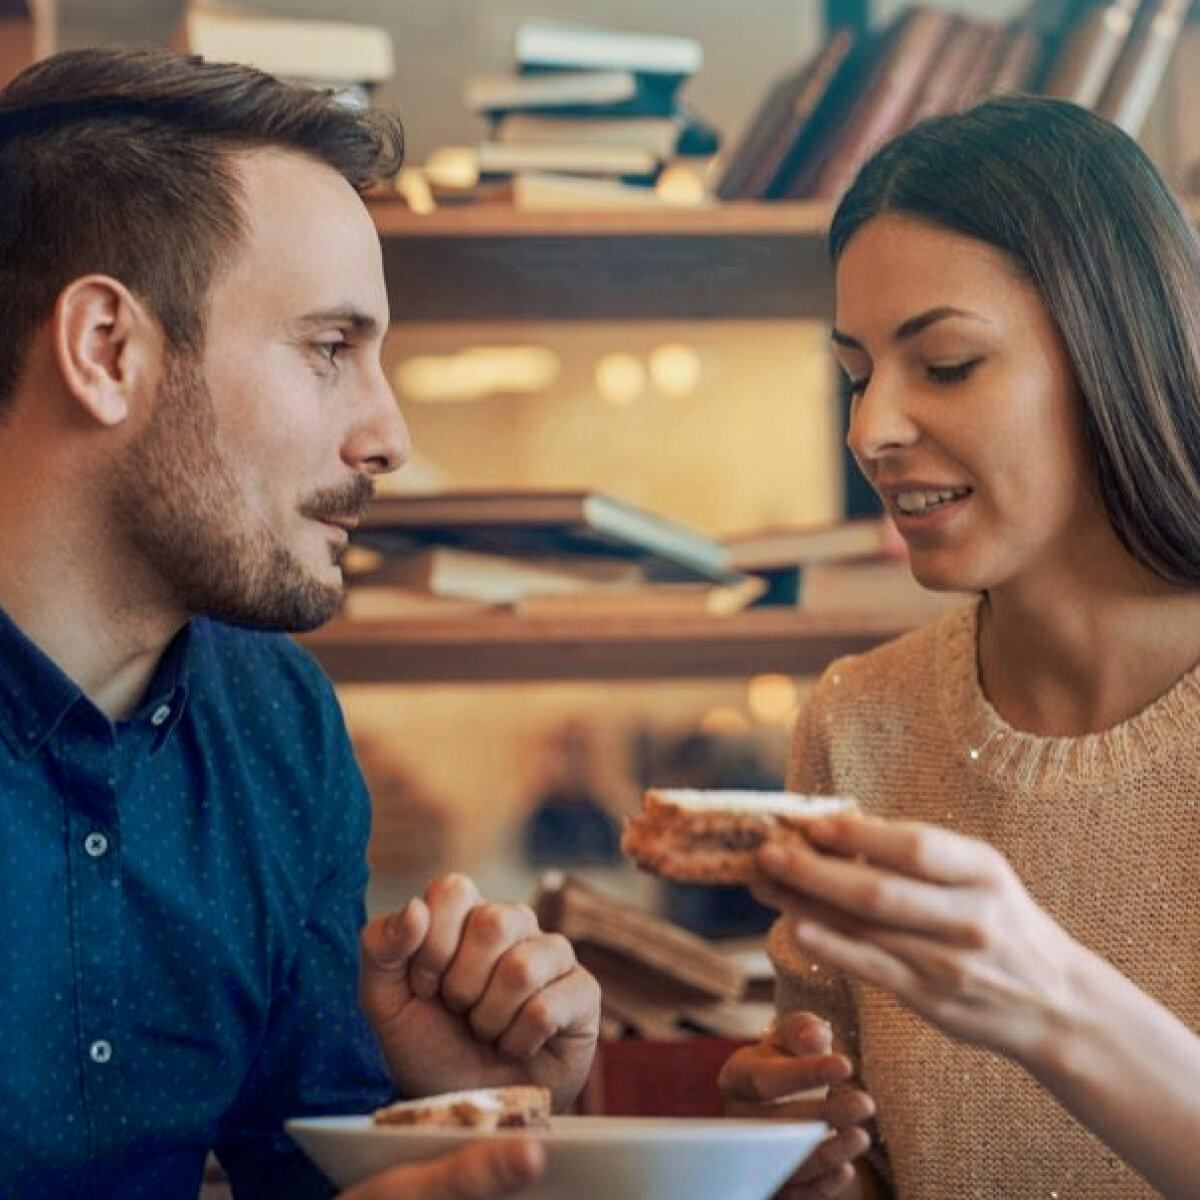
(36, 694)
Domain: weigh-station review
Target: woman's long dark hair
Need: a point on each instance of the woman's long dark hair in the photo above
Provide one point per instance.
(1081, 210)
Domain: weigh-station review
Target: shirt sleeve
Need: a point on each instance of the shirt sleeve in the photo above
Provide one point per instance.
(319, 1055)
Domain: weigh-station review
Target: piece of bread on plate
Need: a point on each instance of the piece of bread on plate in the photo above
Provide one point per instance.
(698, 836)
(483, 1109)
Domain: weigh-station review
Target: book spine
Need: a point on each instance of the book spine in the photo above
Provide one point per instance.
(1140, 71)
(989, 43)
(783, 116)
(1017, 63)
(948, 78)
(882, 108)
(1087, 57)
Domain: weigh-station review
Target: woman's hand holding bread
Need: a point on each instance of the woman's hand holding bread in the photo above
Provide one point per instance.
(936, 917)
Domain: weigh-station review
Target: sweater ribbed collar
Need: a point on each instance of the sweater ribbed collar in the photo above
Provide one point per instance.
(1037, 762)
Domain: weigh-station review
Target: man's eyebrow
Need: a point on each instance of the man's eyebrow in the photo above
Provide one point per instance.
(345, 316)
(911, 327)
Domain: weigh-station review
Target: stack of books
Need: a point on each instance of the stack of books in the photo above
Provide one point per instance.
(542, 553)
(819, 122)
(588, 113)
(857, 566)
(348, 58)
(658, 980)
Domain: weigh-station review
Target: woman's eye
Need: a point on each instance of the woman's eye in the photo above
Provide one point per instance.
(852, 387)
(954, 372)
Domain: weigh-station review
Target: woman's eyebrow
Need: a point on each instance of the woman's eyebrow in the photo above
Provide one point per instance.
(911, 327)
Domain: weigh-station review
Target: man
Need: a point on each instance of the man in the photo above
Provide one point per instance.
(192, 410)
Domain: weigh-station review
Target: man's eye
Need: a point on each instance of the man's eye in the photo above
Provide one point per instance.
(954, 372)
(330, 351)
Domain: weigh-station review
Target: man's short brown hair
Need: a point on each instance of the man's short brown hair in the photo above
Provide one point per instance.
(116, 162)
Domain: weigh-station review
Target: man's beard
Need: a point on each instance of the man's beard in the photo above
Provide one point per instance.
(183, 512)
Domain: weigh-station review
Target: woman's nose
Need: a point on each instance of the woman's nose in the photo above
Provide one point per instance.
(880, 421)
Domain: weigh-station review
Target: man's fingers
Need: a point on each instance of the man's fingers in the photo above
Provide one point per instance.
(500, 950)
(450, 899)
(483, 1169)
(518, 977)
(570, 1006)
(388, 943)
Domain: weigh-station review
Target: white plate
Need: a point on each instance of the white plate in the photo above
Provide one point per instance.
(592, 1158)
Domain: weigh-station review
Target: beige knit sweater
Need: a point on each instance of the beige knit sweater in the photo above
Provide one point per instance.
(1103, 829)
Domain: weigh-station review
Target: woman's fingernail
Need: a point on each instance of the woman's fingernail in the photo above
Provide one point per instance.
(772, 857)
(821, 829)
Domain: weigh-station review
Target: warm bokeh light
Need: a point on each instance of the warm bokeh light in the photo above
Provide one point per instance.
(724, 722)
(620, 378)
(476, 373)
(772, 699)
(414, 187)
(675, 370)
(681, 184)
(453, 167)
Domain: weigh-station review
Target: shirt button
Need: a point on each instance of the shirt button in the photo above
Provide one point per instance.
(100, 1051)
(96, 844)
(160, 714)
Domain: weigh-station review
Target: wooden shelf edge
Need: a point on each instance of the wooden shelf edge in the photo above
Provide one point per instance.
(394, 219)
(801, 218)
(507, 648)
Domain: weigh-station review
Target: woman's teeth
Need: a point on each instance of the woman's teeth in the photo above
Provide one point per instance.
(915, 503)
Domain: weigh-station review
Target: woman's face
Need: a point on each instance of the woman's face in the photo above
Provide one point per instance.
(965, 416)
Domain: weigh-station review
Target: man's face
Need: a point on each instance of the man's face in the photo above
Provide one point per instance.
(258, 459)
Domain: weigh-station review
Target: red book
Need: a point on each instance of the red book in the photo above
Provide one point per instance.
(785, 112)
(1017, 60)
(878, 106)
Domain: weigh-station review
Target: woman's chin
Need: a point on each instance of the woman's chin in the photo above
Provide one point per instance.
(943, 577)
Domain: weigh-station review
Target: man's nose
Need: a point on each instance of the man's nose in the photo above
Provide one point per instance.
(379, 441)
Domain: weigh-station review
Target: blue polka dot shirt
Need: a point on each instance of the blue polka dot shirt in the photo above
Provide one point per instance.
(180, 899)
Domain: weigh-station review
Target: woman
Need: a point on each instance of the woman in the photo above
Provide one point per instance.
(1018, 317)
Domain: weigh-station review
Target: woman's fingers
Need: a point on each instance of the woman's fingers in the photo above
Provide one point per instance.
(911, 848)
(878, 891)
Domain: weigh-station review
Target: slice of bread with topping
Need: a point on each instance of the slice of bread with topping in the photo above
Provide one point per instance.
(479, 1108)
(694, 836)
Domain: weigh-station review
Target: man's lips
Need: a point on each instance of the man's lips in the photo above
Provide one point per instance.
(344, 525)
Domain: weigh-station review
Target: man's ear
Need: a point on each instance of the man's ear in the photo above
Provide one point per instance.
(108, 346)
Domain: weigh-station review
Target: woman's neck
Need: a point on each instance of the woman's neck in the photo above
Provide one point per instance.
(1067, 662)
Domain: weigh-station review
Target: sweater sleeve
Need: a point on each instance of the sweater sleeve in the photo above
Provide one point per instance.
(801, 984)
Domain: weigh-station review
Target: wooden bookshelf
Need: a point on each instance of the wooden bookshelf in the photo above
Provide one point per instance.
(505, 647)
(493, 263)
(488, 263)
